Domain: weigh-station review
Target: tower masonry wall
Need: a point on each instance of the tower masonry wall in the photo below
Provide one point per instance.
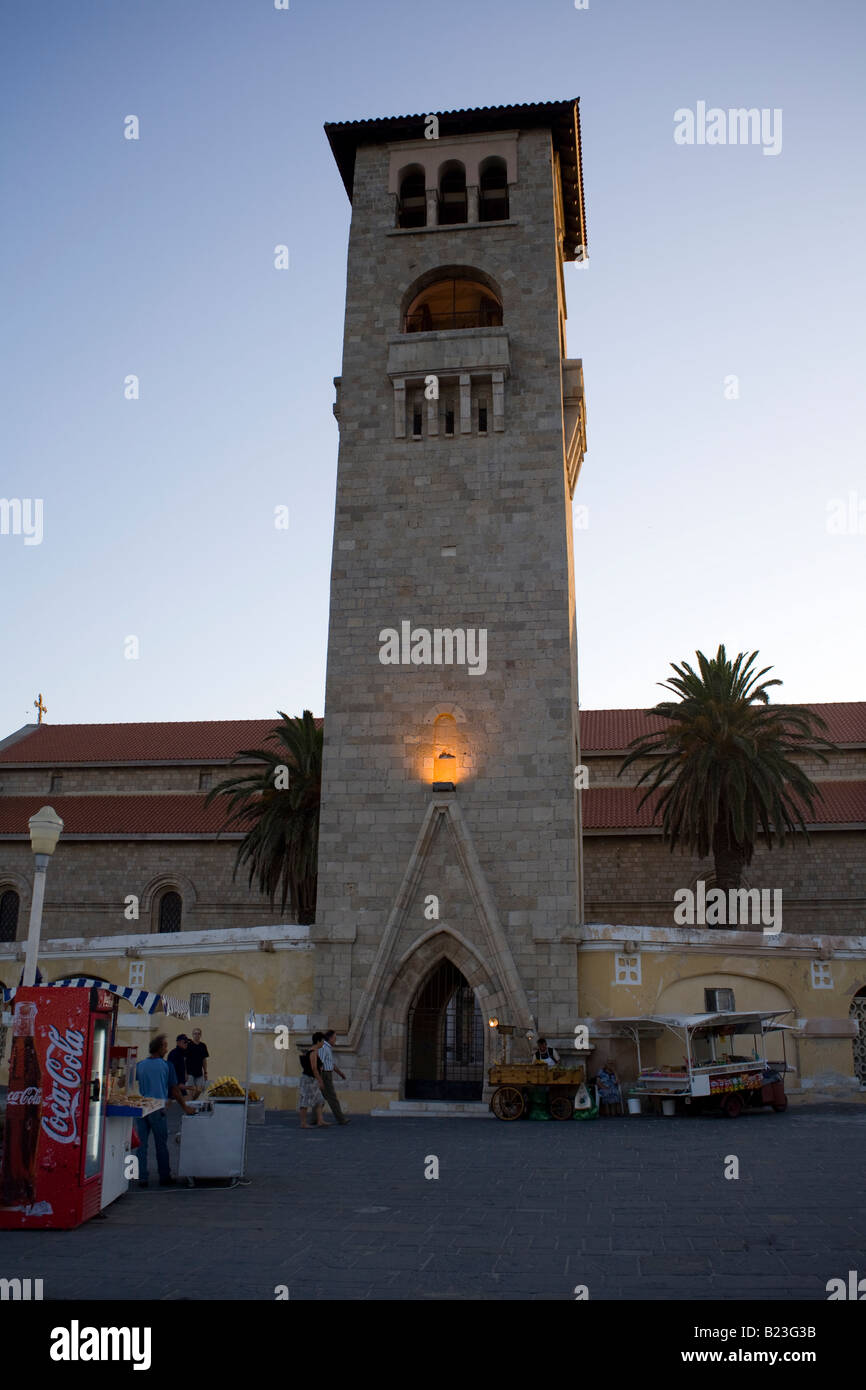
(500, 502)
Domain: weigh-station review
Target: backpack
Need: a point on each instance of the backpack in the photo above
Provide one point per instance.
(305, 1064)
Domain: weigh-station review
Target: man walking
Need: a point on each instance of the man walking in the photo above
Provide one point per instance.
(326, 1062)
(157, 1080)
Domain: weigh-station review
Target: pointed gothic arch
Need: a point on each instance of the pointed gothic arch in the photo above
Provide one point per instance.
(418, 966)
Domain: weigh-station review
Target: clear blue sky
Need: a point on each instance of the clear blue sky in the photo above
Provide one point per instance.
(707, 516)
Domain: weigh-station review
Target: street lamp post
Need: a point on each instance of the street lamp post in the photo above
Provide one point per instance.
(45, 828)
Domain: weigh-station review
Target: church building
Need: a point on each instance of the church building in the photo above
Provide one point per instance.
(466, 872)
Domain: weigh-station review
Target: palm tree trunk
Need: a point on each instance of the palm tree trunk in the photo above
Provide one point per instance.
(728, 857)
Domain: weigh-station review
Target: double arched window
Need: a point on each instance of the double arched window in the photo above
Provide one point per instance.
(9, 905)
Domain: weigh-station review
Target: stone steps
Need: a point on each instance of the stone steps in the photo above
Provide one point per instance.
(437, 1110)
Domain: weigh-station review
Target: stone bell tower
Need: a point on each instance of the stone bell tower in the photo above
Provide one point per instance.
(448, 850)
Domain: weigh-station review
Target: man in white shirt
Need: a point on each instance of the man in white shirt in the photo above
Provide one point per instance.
(326, 1059)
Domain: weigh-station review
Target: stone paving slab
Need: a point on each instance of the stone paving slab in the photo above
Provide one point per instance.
(519, 1211)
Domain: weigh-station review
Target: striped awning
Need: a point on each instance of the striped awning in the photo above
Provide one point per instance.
(143, 999)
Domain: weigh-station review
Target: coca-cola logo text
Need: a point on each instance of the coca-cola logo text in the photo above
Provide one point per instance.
(32, 1096)
(64, 1060)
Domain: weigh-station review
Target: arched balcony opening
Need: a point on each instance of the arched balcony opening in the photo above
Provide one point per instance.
(412, 200)
(452, 194)
(493, 191)
(449, 304)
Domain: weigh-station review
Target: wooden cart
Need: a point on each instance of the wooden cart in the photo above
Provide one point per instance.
(515, 1080)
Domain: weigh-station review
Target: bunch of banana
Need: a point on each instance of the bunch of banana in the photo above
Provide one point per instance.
(226, 1086)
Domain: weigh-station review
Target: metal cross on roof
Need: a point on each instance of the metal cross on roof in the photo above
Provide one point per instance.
(43, 709)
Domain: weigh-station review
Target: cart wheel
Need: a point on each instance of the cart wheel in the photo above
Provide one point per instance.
(732, 1106)
(507, 1103)
(561, 1107)
(781, 1108)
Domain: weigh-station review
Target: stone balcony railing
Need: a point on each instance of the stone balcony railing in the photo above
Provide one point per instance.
(575, 418)
(449, 352)
(459, 355)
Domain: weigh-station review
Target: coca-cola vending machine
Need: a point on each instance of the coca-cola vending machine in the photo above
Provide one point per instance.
(51, 1174)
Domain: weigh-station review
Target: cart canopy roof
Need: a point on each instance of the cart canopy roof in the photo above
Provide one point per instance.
(650, 1025)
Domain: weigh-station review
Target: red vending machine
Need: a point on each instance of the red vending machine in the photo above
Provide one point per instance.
(51, 1173)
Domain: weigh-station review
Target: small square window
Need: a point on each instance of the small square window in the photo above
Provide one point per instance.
(56, 782)
(204, 780)
(199, 1005)
(136, 974)
(719, 1001)
(627, 970)
(822, 974)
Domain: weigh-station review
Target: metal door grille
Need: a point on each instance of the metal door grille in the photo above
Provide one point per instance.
(858, 1011)
(445, 1039)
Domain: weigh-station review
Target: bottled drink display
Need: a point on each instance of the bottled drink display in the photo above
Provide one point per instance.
(23, 1112)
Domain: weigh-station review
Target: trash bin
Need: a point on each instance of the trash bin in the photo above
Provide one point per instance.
(634, 1105)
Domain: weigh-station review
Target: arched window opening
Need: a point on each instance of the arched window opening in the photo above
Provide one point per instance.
(493, 191)
(451, 304)
(9, 905)
(452, 195)
(445, 749)
(412, 204)
(170, 912)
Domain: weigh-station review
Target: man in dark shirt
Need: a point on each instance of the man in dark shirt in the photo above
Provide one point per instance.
(196, 1060)
(178, 1058)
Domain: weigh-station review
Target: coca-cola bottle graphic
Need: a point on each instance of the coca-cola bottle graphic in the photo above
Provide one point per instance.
(23, 1112)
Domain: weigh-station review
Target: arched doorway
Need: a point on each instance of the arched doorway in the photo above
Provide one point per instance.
(858, 1012)
(445, 1058)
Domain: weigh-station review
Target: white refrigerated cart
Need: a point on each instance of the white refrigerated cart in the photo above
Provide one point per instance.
(213, 1139)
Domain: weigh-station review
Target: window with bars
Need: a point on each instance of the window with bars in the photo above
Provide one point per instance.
(170, 912)
(9, 905)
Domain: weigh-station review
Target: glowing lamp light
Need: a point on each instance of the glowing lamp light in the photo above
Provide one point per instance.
(493, 1022)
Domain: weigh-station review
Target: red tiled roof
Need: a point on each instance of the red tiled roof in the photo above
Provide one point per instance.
(611, 730)
(205, 740)
(604, 808)
(117, 815)
(218, 740)
(616, 808)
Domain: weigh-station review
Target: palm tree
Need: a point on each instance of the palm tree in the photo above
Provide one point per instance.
(725, 774)
(278, 806)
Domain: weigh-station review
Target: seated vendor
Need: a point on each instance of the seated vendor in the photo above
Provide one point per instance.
(609, 1094)
(546, 1054)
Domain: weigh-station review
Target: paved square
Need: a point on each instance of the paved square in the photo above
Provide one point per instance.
(633, 1208)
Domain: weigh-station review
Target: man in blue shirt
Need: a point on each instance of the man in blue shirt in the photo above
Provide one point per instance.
(157, 1080)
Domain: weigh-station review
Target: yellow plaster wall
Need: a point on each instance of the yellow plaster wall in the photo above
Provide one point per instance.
(673, 981)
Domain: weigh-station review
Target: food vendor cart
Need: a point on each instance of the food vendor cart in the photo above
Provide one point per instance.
(515, 1082)
(710, 1074)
